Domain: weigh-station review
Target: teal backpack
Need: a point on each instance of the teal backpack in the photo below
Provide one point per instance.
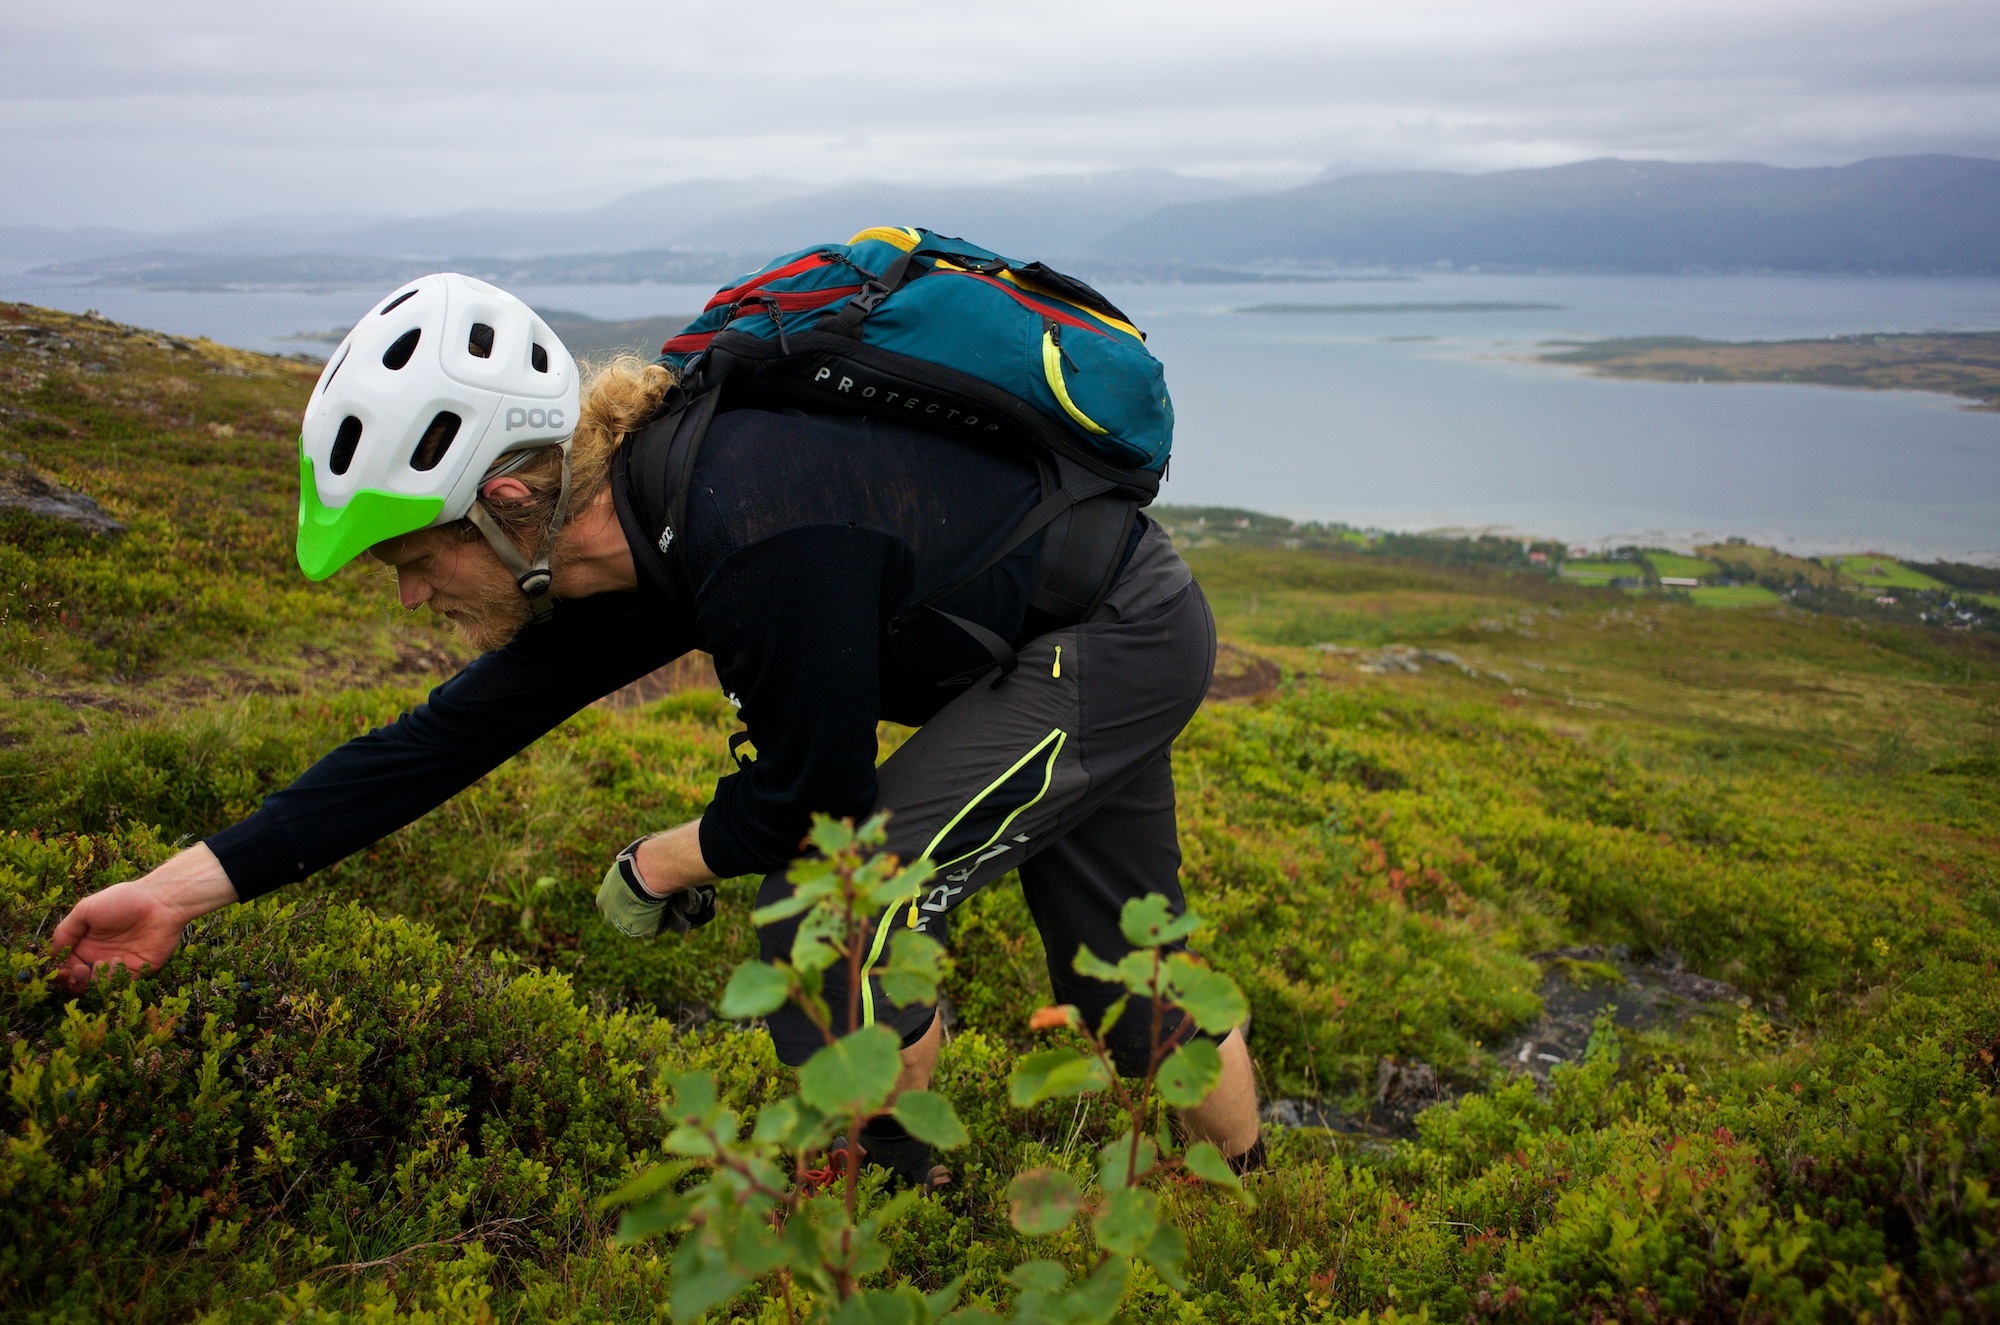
(907, 325)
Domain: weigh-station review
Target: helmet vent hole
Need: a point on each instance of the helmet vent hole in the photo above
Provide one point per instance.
(480, 343)
(399, 353)
(344, 442)
(539, 357)
(335, 369)
(410, 293)
(435, 441)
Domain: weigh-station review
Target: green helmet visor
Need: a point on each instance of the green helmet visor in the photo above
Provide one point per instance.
(332, 536)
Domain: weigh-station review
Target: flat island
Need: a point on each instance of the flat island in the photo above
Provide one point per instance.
(1964, 364)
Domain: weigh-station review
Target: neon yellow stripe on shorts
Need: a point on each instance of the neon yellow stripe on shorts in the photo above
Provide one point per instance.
(1053, 744)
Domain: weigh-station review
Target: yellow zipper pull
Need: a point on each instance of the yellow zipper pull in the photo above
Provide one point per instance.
(911, 921)
(1056, 671)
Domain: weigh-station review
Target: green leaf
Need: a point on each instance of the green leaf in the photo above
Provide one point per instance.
(782, 909)
(694, 1095)
(755, 989)
(1127, 1221)
(1038, 1276)
(1205, 1161)
(874, 830)
(1210, 997)
(702, 1277)
(816, 946)
(854, 1074)
(912, 974)
(930, 1118)
(905, 882)
(779, 1121)
(1115, 1158)
(1165, 1252)
(1092, 966)
(1111, 1016)
(1052, 1074)
(1149, 922)
(1189, 1074)
(831, 836)
(643, 1184)
(658, 1214)
(688, 1140)
(878, 1306)
(1040, 1201)
(1095, 1300)
(945, 1298)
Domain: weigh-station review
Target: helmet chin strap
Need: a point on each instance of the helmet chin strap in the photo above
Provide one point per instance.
(532, 578)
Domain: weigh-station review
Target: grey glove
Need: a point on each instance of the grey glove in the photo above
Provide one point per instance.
(637, 914)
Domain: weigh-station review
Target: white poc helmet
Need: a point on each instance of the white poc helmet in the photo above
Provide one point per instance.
(436, 383)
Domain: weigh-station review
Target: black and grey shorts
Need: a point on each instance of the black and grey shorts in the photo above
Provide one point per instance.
(1063, 773)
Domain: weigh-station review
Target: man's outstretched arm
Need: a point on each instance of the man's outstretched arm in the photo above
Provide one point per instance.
(137, 924)
(374, 784)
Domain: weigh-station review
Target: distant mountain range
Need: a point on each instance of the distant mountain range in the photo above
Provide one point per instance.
(1910, 214)
(1913, 214)
(1048, 214)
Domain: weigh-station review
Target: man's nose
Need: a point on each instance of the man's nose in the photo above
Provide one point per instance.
(412, 588)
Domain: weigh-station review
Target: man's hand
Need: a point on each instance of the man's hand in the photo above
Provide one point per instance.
(138, 923)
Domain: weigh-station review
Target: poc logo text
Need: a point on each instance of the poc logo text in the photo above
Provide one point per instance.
(533, 418)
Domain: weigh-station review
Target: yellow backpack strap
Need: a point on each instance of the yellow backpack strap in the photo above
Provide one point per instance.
(902, 237)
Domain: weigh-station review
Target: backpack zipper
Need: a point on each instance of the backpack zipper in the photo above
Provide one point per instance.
(1053, 359)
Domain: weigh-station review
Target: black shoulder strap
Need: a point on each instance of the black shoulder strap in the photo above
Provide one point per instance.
(1088, 522)
(652, 472)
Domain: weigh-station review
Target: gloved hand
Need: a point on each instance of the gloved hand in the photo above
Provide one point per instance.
(636, 913)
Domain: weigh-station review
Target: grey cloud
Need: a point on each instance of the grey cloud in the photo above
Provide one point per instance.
(120, 112)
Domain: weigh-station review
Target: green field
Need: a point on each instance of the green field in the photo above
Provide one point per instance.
(1878, 572)
(1487, 831)
(1673, 565)
(1602, 570)
(1734, 595)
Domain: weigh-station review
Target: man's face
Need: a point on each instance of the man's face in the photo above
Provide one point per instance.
(461, 579)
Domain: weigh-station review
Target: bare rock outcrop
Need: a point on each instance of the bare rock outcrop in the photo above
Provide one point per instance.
(26, 490)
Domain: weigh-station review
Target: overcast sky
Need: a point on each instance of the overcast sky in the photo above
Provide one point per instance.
(157, 115)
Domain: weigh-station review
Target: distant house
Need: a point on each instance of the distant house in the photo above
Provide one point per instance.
(1678, 582)
(1538, 558)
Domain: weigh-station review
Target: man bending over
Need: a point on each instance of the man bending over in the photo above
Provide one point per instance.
(446, 439)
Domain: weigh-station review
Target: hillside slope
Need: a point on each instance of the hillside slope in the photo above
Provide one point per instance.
(1605, 956)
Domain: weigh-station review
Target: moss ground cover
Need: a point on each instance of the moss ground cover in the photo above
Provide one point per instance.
(398, 1091)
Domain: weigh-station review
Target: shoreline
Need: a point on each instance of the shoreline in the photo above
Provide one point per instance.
(1965, 365)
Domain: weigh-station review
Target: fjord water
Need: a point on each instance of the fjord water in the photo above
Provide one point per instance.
(1424, 419)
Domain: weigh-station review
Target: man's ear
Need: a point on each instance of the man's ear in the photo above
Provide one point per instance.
(506, 491)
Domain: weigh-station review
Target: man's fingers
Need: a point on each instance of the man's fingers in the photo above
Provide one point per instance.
(72, 928)
(75, 973)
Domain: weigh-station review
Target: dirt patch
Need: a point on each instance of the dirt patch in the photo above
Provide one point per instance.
(423, 659)
(1240, 674)
(1578, 985)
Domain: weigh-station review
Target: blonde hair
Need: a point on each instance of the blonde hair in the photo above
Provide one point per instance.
(619, 397)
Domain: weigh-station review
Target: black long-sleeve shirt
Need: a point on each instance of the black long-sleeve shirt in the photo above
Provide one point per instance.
(806, 536)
